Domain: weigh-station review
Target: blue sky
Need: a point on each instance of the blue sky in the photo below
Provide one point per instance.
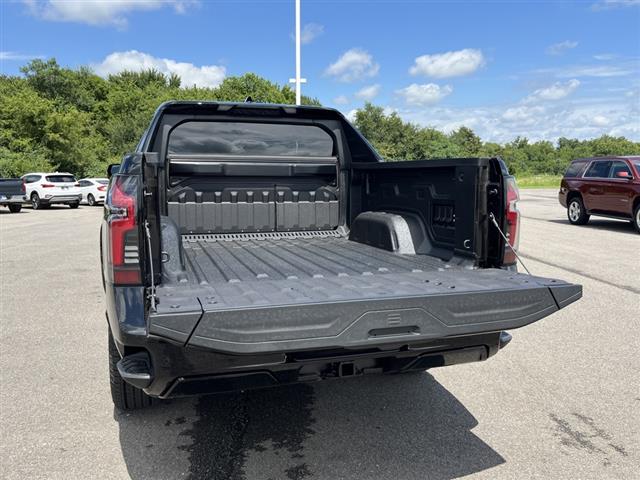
(540, 69)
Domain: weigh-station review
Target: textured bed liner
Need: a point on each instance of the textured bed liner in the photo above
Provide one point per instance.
(327, 260)
(252, 293)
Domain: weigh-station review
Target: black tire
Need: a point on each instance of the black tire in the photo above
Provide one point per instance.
(91, 200)
(36, 203)
(124, 396)
(74, 204)
(15, 207)
(636, 218)
(576, 213)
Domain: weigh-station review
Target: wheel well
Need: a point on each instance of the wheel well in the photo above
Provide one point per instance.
(636, 202)
(573, 195)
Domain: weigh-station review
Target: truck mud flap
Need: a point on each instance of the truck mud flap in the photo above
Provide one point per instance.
(451, 304)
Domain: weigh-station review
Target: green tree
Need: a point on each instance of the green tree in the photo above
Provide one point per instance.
(54, 117)
(467, 141)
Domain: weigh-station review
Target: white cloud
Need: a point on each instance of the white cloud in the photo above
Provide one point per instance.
(554, 92)
(611, 4)
(583, 119)
(8, 56)
(351, 115)
(341, 100)
(523, 115)
(99, 12)
(596, 71)
(560, 48)
(425, 94)
(605, 56)
(355, 64)
(132, 60)
(620, 68)
(368, 93)
(600, 121)
(449, 64)
(309, 32)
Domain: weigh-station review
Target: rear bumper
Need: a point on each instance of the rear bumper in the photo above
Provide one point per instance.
(176, 371)
(54, 199)
(562, 196)
(7, 199)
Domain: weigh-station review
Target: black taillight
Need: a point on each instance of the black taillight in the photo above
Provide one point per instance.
(124, 252)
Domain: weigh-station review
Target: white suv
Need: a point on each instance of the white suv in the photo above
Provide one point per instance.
(44, 189)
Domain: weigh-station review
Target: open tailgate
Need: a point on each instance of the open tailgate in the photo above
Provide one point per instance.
(286, 315)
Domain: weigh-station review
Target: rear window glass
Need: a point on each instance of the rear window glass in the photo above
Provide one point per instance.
(617, 167)
(636, 163)
(239, 138)
(598, 169)
(103, 181)
(60, 178)
(575, 169)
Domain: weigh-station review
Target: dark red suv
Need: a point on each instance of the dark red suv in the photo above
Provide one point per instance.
(603, 186)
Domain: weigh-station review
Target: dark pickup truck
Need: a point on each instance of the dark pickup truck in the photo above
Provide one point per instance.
(250, 245)
(12, 194)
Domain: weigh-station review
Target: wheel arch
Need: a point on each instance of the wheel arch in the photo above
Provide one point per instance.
(573, 194)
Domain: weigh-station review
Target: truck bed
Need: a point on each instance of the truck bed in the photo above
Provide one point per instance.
(247, 293)
(326, 264)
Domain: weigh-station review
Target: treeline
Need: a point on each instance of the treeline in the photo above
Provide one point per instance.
(399, 140)
(55, 118)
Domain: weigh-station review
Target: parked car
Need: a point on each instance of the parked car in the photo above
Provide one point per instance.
(602, 186)
(12, 194)
(254, 245)
(45, 189)
(93, 190)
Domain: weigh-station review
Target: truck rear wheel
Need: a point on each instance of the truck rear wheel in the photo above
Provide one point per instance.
(124, 396)
(15, 207)
(636, 217)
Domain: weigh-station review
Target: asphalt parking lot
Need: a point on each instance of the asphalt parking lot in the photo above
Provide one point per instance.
(561, 401)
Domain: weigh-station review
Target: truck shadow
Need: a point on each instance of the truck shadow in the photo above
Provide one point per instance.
(405, 426)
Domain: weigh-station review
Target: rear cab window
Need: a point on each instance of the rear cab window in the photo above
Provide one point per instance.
(60, 178)
(636, 165)
(250, 139)
(575, 169)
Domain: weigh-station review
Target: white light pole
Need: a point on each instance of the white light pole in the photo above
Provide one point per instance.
(298, 80)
